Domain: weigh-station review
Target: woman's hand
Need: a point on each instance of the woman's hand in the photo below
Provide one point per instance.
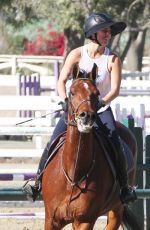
(64, 104)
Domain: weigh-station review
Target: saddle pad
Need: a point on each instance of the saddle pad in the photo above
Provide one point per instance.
(58, 142)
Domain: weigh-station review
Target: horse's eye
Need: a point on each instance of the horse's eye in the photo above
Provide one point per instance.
(71, 94)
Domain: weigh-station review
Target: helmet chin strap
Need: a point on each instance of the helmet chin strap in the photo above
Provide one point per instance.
(95, 39)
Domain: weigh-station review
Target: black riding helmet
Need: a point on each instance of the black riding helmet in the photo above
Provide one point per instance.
(99, 21)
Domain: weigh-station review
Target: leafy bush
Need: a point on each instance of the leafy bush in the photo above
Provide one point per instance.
(45, 43)
(34, 39)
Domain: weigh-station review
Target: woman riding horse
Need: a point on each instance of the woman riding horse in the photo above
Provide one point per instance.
(99, 28)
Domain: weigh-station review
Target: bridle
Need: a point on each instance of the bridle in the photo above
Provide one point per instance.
(74, 111)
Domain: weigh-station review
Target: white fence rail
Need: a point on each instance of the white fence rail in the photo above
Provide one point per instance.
(16, 126)
(34, 63)
(135, 106)
(135, 87)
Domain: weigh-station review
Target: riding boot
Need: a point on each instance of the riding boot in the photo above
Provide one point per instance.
(127, 193)
(33, 191)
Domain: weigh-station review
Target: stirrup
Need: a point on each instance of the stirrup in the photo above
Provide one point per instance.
(31, 179)
(128, 195)
(31, 192)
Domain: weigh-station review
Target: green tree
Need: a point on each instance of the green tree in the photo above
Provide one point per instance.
(16, 13)
(69, 16)
(138, 25)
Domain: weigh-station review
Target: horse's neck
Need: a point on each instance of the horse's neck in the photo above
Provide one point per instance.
(78, 151)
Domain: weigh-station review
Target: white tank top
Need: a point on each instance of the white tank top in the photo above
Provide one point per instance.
(103, 81)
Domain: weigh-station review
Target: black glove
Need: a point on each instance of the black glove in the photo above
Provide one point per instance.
(64, 104)
(101, 103)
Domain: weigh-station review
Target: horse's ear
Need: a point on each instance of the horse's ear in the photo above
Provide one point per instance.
(94, 72)
(75, 71)
(92, 75)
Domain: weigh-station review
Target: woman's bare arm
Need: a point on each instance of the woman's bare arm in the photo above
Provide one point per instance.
(72, 58)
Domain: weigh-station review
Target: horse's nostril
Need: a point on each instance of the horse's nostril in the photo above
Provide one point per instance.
(87, 117)
(82, 115)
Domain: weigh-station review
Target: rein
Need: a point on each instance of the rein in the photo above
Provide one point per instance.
(72, 182)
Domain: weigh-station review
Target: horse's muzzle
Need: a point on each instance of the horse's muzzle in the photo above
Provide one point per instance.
(85, 121)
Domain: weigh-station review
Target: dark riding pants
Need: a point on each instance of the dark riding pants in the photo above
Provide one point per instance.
(106, 118)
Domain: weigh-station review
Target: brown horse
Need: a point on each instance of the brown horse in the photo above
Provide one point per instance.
(80, 184)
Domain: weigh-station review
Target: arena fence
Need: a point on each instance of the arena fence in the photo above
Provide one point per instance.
(141, 207)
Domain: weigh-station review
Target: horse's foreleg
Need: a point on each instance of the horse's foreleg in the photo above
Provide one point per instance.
(114, 219)
(48, 224)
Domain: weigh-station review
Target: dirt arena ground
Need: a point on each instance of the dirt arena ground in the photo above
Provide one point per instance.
(35, 223)
(31, 223)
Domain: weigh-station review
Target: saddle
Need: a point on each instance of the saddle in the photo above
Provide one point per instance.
(53, 148)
